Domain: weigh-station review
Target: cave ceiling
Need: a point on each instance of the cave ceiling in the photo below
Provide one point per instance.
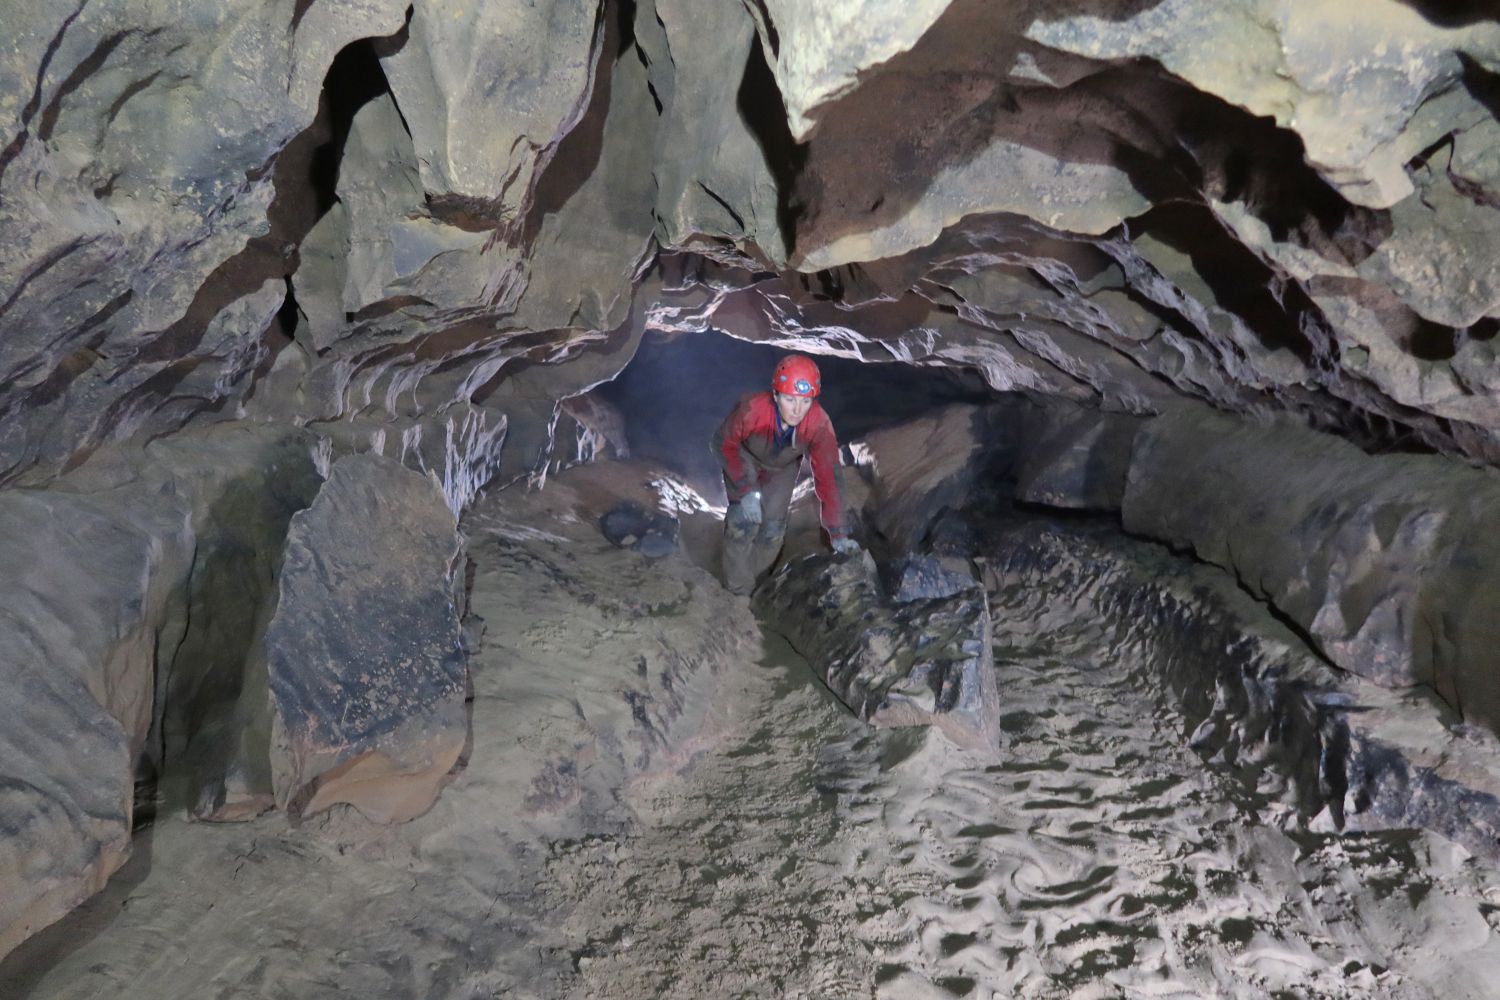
(355, 212)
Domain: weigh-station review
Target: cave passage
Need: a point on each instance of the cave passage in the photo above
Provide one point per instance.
(677, 389)
(363, 628)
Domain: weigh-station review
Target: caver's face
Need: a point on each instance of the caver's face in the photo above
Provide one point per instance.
(792, 408)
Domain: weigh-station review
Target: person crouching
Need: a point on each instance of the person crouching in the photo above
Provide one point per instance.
(760, 446)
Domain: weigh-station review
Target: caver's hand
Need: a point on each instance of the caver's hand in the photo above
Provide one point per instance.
(749, 508)
(845, 546)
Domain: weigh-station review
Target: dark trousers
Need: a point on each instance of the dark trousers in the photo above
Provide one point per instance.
(751, 549)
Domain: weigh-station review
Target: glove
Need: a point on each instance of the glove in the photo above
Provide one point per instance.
(845, 546)
(750, 512)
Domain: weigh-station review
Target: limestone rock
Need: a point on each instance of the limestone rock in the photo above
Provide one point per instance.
(925, 577)
(593, 209)
(1441, 256)
(487, 91)
(918, 663)
(366, 667)
(1075, 457)
(130, 183)
(460, 446)
(723, 139)
(1387, 562)
(936, 463)
(948, 129)
(246, 481)
(1356, 90)
(67, 805)
(600, 426)
(820, 54)
(88, 582)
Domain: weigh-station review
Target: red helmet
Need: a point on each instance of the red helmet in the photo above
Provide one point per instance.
(796, 375)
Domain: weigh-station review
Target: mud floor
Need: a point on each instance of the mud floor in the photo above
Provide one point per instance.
(782, 849)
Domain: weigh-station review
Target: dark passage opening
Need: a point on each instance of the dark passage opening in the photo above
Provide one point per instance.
(679, 387)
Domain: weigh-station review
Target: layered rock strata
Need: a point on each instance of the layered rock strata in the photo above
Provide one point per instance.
(1187, 199)
(1388, 563)
(1384, 561)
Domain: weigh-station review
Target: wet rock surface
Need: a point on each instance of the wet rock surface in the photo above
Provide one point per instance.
(366, 668)
(923, 661)
(1386, 562)
(925, 577)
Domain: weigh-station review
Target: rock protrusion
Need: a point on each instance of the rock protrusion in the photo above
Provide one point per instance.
(367, 670)
(925, 577)
(924, 662)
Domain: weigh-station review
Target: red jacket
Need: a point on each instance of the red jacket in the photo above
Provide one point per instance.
(747, 446)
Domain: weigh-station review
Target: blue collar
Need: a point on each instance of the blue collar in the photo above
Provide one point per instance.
(784, 434)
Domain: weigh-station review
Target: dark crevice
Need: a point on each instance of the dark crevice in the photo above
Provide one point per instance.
(355, 79)
(772, 35)
(129, 92)
(290, 315)
(1482, 84)
(1455, 13)
(305, 176)
(738, 220)
(1432, 341)
(85, 69)
(1484, 330)
(760, 105)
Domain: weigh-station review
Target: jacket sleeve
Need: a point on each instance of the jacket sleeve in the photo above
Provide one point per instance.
(823, 452)
(739, 473)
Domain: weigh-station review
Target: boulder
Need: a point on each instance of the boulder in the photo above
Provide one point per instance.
(926, 577)
(246, 481)
(925, 662)
(629, 525)
(65, 789)
(367, 670)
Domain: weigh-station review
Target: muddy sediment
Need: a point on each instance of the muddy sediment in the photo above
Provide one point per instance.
(717, 824)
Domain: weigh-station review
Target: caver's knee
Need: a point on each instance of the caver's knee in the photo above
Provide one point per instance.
(772, 532)
(737, 529)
